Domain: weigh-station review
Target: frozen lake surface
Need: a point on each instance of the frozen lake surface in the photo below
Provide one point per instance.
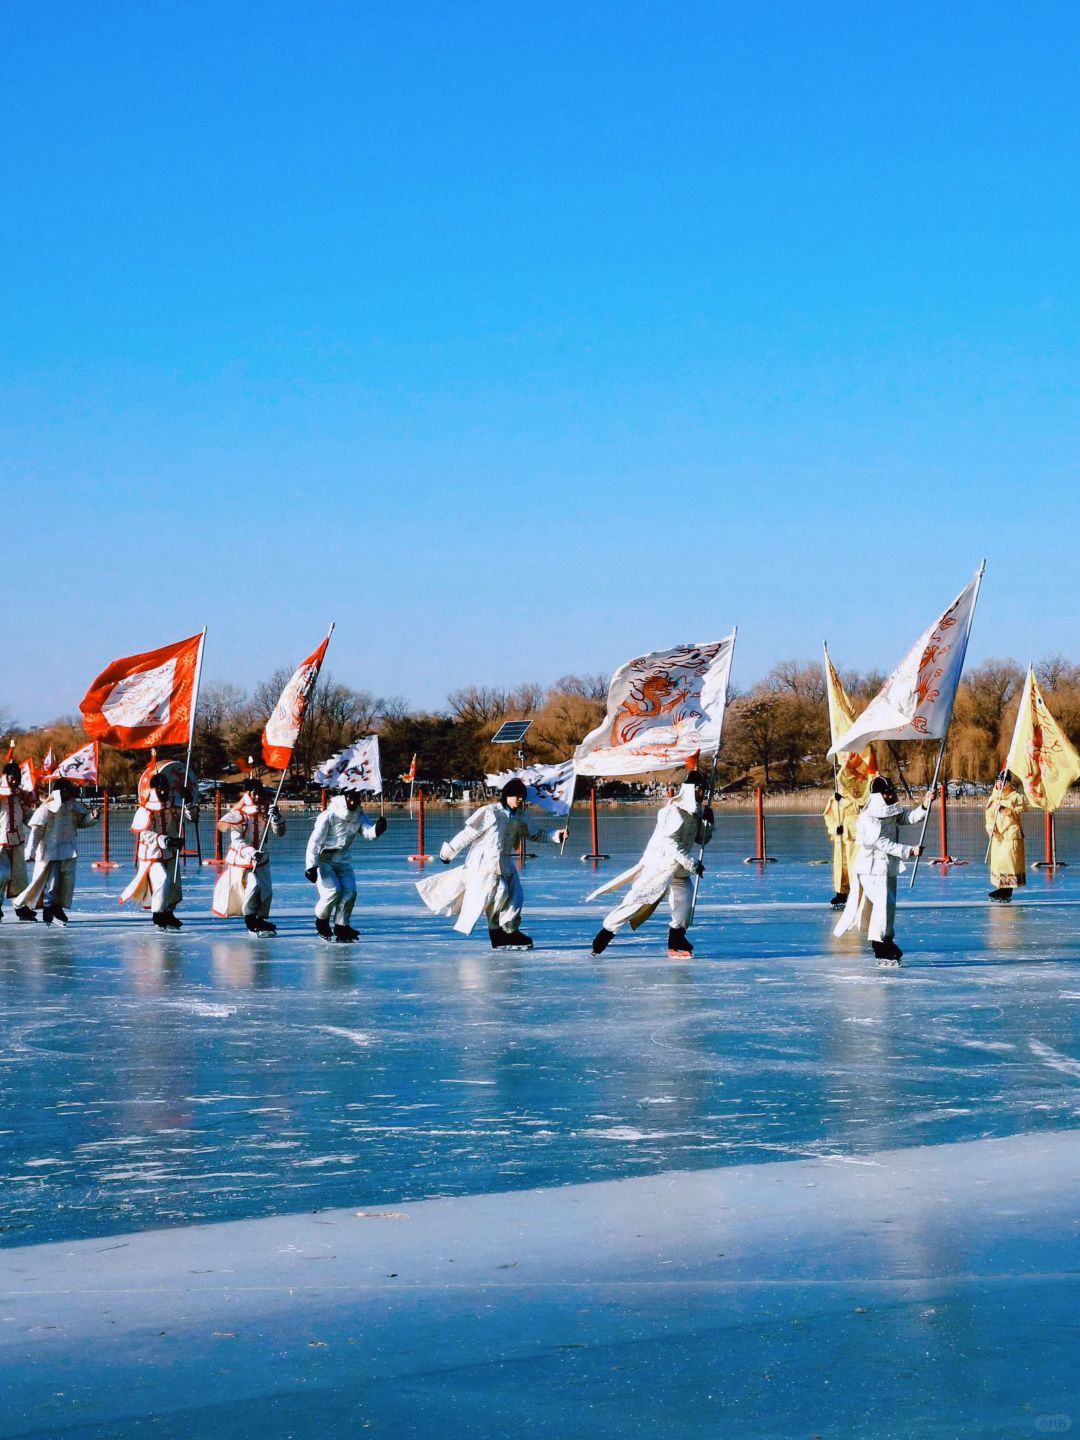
(150, 1081)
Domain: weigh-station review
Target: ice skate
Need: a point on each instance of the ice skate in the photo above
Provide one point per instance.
(345, 934)
(838, 901)
(59, 914)
(510, 940)
(678, 946)
(160, 922)
(601, 940)
(26, 914)
(1001, 895)
(323, 928)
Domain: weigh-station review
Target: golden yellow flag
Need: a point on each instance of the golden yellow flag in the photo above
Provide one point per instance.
(860, 767)
(1040, 753)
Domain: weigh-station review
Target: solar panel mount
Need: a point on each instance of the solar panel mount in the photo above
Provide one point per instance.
(511, 732)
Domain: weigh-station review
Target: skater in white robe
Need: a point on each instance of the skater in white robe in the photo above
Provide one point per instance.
(16, 805)
(488, 883)
(245, 886)
(158, 824)
(879, 857)
(665, 868)
(329, 867)
(52, 846)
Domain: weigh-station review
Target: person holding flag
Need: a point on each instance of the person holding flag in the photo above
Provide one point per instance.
(245, 886)
(53, 847)
(15, 805)
(665, 868)
(158, 826)
(879, 857)
(841, 816)
(1005, 827)
(852, 773)
(329, 868)
(488, 882)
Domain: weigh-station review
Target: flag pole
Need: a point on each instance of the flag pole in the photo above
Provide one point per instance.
(187, 758)
(712, 775)
(948, 722)
(281, 778)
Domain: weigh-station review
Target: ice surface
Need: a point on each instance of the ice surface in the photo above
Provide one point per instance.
(164, 1081)
(156, 1080)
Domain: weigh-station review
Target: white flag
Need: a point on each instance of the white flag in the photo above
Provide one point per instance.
(916, 701)
(356, 768)
(81, 766)
(663, 710)
(550, 787)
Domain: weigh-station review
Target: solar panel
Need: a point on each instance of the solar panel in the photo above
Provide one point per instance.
(510, 732)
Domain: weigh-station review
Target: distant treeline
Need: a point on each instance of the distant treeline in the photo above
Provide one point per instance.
(777, 731)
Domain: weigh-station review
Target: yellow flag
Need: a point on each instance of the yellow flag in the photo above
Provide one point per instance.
(1040, 753)
(858, 768)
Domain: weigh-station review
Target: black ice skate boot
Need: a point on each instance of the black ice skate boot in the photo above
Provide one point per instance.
(158, 917)
(1002, 895)
(251, 924)
(601, 940)
(678, 946)
(26, 914)
(59, 915)
(47, 913)
(345, 934)
(323, 927)
(266, 927)
(171, 922)
(839, 900)
(510, 940)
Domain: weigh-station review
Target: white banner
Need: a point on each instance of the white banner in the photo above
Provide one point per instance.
(663, 710)
(356, 768)
(550, 787)
(916, 701)
(81, 766)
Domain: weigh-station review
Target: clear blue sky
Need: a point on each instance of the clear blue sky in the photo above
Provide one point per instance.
(520, 338)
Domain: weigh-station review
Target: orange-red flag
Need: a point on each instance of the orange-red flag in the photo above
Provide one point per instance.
(145, 700)
(279, 735)
(410, 774)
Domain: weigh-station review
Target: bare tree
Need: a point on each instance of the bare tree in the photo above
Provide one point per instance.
(478, 705)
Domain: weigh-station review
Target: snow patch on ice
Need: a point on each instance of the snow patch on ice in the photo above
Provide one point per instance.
(1054, 1058)
(356, 1037)
(201, 1007)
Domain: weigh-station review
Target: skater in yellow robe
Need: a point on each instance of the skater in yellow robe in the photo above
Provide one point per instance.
(1005, 826)
(841, 816)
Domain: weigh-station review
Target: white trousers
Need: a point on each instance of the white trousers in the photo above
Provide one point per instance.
(165, 891)
(679, 897)
(259, 892)
(53, 883)
(879, 896)
(12, 871)
(336, 885)
(503, 909)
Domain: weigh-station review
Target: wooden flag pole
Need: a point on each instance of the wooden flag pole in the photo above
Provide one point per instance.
(948, 722)
(187, 759)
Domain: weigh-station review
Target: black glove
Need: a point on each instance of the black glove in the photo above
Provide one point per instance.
(707, 815)
(312, 874)
(380, 826)
(839, 830)
(699, 868)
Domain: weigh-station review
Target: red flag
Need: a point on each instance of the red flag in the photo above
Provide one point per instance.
(145, 700)
(279, 736)
(10, 756)
(48, 763)
(28, 776)
(410, 774)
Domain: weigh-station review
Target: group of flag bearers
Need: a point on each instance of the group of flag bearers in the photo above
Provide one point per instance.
(665, 713)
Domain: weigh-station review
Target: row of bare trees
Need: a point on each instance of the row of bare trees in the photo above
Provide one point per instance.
(777, 731)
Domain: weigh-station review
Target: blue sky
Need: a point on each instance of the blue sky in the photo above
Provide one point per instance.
(519, 339)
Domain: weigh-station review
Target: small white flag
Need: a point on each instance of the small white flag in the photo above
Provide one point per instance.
(81, 766)
(550, 787)
(356, 768)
